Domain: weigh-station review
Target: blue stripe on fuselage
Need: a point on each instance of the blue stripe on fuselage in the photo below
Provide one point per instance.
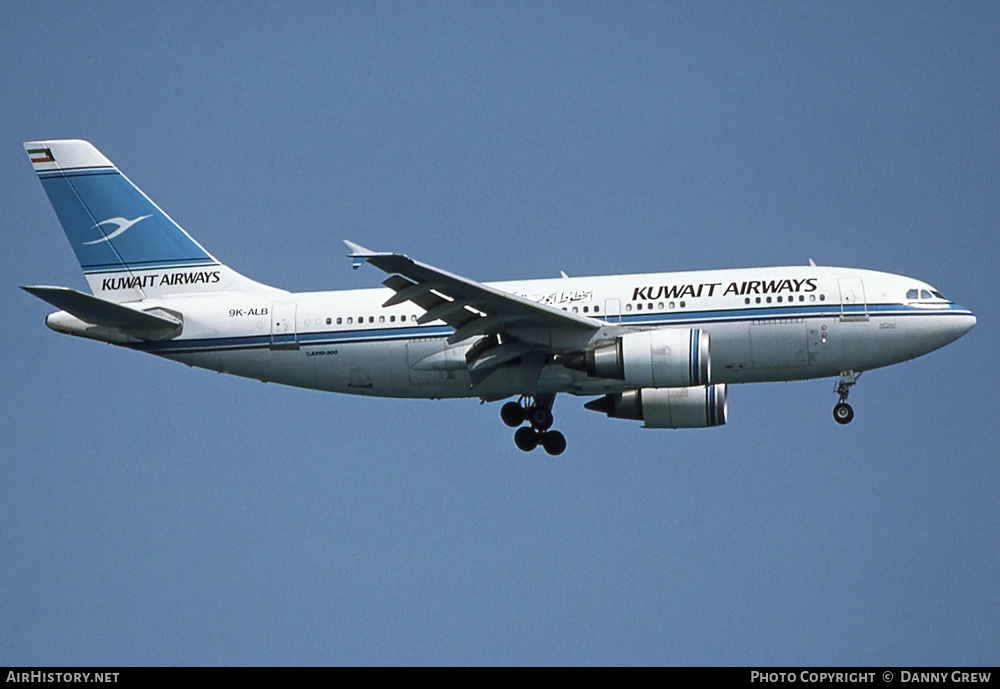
(693, 358)
(315, 339)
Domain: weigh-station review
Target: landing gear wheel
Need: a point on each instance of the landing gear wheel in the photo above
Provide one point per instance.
(554, 442)
(540, 418)
(526, 439)
(512, 414)
(843, 413)
(537, 411)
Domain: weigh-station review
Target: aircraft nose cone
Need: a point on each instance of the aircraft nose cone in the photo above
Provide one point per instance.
(962, 323)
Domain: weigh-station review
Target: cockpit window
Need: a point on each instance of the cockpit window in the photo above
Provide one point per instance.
(924, 295)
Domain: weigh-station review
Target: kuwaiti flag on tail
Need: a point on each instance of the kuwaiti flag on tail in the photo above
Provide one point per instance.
(41, 155)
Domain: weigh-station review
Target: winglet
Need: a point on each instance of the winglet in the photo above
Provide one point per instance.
(359, 253)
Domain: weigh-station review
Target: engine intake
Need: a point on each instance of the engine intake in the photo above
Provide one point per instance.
(703, 406)
(665, 358)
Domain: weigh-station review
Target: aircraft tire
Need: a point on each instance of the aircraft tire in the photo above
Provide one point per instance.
(512, 414)
(843, 413)
(541, 418)
(526, 439)
(554, 442)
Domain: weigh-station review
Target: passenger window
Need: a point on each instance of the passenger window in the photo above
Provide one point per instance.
(350, 320)
(339, 320)
(596, 309)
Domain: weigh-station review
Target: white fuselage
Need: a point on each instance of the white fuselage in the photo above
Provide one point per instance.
(765, 324)
(658, 347)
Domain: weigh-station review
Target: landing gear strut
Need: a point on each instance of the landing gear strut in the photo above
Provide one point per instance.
(537, 411)
(843, 413)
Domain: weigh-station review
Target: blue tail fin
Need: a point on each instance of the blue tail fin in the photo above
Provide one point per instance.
(111, 225)
(128, 248)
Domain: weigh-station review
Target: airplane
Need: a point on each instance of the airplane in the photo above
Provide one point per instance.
(659, 348)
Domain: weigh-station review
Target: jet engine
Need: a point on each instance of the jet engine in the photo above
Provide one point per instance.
(664, 358)
(701, 406)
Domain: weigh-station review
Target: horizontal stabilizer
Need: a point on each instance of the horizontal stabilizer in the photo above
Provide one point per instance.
(96, 311)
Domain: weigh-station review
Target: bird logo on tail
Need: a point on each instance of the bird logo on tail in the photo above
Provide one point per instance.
(121, 223)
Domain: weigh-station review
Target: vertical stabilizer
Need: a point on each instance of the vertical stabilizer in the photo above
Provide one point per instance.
(128, 248)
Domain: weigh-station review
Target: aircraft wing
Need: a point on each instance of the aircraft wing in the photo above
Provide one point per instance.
(470, 307)
(513, 326)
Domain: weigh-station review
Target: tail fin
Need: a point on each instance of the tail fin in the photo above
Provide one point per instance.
(128, 248)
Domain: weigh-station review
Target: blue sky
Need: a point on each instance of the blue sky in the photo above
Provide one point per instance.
(156, 514)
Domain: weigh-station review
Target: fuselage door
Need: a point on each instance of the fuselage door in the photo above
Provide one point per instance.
(852, 300)
(283, 333)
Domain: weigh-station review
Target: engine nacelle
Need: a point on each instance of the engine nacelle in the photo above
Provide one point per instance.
(702, 406)
(665, 358)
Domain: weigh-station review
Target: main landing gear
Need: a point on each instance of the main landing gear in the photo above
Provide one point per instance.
(843, 413)
(537, 411)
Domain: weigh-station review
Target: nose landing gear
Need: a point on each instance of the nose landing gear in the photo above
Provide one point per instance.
(843, 413)
(537, 411)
